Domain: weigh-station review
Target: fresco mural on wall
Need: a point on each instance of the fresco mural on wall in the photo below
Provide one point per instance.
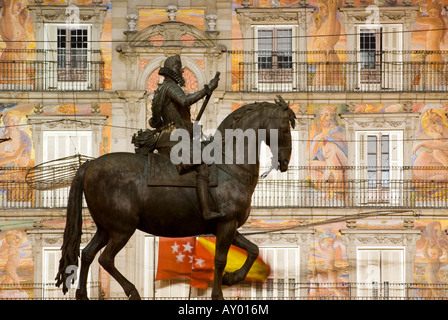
(327, 150)
(149, 17)
(17, 41)
(326, 41)
(325, 33)
(429, 154)
(19, 152)
(328, 263)
(431, 259)
(16, 262)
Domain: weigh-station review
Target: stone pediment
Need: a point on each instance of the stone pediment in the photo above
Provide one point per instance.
(167, 34)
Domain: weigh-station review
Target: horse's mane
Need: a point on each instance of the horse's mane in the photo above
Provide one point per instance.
(280, 107)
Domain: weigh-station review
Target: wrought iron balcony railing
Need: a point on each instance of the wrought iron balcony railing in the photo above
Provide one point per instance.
(339, 71)
(279, 289)
(299, 187)
(289, 289)
(51, 70)
(354, 187)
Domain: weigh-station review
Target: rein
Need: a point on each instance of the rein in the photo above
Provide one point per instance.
(262, 176)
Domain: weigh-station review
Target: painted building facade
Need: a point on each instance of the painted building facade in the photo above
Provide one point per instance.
(362, 210)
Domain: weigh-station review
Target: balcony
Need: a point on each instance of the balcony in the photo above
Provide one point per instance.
(360, 187)
(339, 71)
(398, 188)
(48, 70)
(268, 290)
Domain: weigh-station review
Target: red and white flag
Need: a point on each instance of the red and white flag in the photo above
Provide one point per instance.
(193, 258)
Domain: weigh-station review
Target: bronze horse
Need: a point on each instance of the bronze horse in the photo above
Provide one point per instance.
(120, 201)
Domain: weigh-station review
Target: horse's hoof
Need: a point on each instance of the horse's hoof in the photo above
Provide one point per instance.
(80, 296)
(228, 279)
(134, 296)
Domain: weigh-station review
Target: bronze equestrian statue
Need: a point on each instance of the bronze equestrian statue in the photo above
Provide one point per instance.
(121, 200)
(172, 106)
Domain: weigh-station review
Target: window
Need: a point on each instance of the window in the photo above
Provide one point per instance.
(380, 272)
(68, 57)
(72, 49)
(370, 51)
(379, 172)
(281, 283)
(274, 45)
(50, 268)
(61, 144)
(380, 56)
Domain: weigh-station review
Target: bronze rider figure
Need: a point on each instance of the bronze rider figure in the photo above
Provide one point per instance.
(171, 105)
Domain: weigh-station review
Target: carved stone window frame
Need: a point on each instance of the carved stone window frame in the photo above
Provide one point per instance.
(93, 15)
(407, 122)
(139, 47)
(41, 238)
(381, 238)
(41, 123)
(301, 238)
(251, 17)
(404, 15)
(299, 19)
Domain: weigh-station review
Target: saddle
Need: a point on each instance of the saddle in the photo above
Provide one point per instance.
(162, 172)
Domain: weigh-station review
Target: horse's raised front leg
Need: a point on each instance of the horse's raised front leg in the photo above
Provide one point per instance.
(224, 237)
(252, 250)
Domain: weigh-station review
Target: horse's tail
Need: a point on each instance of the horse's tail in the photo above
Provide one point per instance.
(73, 231)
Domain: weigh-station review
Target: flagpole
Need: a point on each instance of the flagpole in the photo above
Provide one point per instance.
(154, 268)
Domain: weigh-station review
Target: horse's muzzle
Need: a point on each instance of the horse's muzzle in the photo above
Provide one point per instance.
(283, 165)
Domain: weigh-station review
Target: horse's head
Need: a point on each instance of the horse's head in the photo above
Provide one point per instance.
(281, 122)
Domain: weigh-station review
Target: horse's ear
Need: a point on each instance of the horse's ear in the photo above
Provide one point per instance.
(282, 103)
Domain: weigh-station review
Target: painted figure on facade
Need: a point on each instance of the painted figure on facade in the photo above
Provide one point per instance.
(11, 245)
(435, 36)
(435, 247)
(327, 32)
(327, 152)
(432, 152)
(172, 106)
(329, 250)
(13, 31)
(15, 152)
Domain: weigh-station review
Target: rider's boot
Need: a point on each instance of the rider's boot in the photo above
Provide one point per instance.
(202, 190)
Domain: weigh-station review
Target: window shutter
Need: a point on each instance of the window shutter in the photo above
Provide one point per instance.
(284, 263)
(50, 68)
(392, 262)
(368, 271)
(392, 64)
(385, 268)
(60, 144)
(361, 178)
(396, 164)
(50, 268)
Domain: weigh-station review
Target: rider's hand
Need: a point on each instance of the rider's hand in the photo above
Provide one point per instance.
(213, 84)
